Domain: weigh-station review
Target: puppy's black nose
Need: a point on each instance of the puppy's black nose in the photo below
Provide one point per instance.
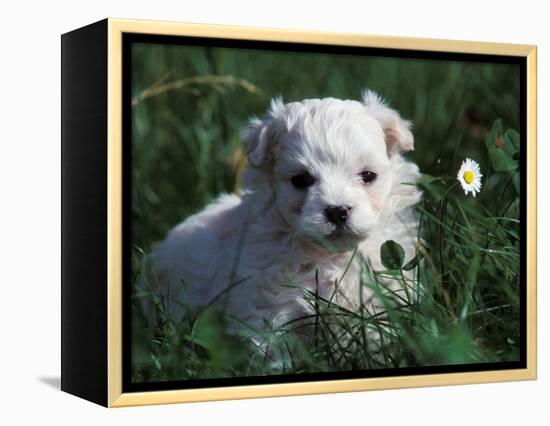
(337, 214)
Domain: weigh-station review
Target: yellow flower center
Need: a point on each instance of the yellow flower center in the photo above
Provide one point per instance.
(469, 176)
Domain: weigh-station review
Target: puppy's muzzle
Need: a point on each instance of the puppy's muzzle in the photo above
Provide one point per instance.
(338, 215)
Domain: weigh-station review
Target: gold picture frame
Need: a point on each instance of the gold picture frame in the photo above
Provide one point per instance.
(115, 396)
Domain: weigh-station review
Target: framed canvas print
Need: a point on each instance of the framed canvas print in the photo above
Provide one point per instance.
(254, 212)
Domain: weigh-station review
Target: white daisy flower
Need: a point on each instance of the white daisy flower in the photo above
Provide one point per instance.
(469, 177)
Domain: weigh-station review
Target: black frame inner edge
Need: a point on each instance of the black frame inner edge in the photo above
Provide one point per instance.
(129, 38)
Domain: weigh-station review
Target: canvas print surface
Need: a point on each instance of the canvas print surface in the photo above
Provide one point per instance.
(307, 212)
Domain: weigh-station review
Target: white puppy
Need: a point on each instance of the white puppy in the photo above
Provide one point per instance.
(324, 176)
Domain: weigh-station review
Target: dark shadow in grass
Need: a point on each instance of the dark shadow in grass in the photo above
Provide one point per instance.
(54, 382)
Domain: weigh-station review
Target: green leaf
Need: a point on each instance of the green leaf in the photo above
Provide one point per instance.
(411, 264)
(428, 183)
(388, 272)
(426, 179)
(502, 148)
(513, 138)
(211, 332)
(392, 255)
(209, 328)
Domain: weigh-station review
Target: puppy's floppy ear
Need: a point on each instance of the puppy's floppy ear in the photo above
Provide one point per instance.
(260, 136)
(397, 131)
(256, 141)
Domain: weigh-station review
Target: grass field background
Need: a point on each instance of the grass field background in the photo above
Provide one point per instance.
(189, 105)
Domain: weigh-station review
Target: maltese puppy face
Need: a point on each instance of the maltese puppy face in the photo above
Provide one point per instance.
(332, 172)
(328, 163)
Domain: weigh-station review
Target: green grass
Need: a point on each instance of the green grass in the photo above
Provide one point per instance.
(462, 298)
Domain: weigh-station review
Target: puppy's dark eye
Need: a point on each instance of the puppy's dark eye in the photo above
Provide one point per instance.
(302, 181)
(368, 176)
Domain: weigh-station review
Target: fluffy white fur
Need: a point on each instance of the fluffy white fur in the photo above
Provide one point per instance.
(242, 251)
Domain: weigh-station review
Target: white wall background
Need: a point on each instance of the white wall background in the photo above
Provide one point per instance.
(30, 200)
